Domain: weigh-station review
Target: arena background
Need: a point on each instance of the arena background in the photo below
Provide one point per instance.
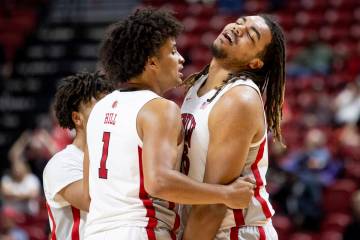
(313, 183)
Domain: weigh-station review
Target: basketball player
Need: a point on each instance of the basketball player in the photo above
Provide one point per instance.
(226, 125)
(135, 138)
(66, 202)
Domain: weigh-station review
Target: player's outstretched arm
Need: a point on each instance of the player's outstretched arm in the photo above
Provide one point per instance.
(160, 128)
(230, 139)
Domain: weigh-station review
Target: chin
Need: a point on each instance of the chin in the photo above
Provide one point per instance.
(218, 51)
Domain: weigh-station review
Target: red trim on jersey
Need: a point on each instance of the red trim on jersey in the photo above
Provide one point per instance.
(234, 233)
(262, 233)
(144, 196)
(75, 233)
(259, 181)
(176, 223)
(53, 229)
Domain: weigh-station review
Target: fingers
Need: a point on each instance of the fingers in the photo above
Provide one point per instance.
(247, 184)
(250, 180)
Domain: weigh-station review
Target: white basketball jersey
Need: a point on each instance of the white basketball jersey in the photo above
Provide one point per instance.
(195, 113)
(64, 168)
(118, 196)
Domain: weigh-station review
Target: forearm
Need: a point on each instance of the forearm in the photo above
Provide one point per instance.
(75, 194)
(83, 204)
(173, 186)
(208, 218)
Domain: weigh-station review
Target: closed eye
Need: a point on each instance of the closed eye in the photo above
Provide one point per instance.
(251, 38)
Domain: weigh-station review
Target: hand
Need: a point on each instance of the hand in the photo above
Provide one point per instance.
(240, 193)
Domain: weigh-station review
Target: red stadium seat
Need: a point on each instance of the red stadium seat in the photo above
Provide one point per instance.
(186, 41)
(335, 222)
(283, 226)
(286, 20)
(311, 19)
(303, 236)
(202, 11)
(11, 42)
(337, 198)
(331, 235)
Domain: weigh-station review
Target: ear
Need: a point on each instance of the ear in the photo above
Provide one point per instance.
(152, 63)
(76, 118)
(256, 63)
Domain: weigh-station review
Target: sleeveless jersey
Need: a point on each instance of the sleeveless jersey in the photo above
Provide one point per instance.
(64, 168)
(195, 113)
(116, 183)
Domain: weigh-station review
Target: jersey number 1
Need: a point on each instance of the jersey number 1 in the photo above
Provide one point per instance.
(103, 170)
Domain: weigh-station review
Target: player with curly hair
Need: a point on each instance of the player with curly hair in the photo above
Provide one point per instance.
(66, 202)
(135, 138)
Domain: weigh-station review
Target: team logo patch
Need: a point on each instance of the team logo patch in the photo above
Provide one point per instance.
(114, 105)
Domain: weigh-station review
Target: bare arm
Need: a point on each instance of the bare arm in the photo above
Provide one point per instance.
(159, 126)
(74, 193)
(18, 148)
(9, 193)
(77, 193)
(230, 140)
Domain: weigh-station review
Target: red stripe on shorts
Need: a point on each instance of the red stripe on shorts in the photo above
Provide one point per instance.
(75, 233)
(53, 229)
(259, 182)
(261, 233)
(234, 233)
(144, 196)
(176, 222)
(239, 217)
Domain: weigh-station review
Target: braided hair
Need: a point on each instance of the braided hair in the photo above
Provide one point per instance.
(270, 78)
(76, 89)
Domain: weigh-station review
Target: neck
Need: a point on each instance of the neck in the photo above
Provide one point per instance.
(80, 139)
(145, 82)
(217, 74)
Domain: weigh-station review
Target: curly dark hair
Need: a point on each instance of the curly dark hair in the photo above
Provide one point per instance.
(129, 43)
(76, 89)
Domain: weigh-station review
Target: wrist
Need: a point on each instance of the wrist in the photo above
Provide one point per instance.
(226, 194)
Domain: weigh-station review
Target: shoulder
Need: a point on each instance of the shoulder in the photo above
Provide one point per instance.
(160, 108)
(239, 100)
(62, 161)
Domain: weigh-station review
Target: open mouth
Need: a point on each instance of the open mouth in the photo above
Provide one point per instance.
(180, 73)
(228, 37)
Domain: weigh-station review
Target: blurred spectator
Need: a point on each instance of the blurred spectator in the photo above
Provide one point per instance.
(316, 58)
(347, 103)
(309, 169)
(39, 145)
(9, 230)
(352, 231)
(349, 136)
(21, 189)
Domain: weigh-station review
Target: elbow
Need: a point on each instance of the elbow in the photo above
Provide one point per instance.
(86, 203)
(157, 185)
